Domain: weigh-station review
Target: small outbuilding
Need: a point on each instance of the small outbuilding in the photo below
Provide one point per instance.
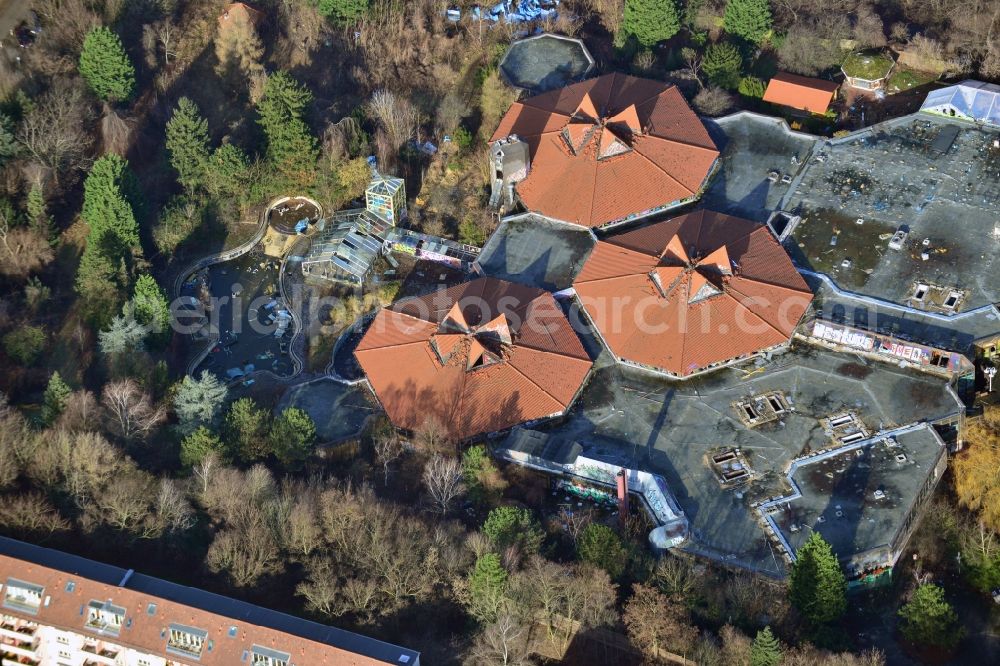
(386, 197)
(801, 92)
(968, 100)
(867, 71)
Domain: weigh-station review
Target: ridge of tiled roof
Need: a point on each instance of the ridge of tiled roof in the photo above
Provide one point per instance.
(725, 274)
(666, 158)
(413, 383)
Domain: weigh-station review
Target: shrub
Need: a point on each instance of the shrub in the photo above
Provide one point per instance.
(25, 344)
(713, 101)
(601, 546)
(751, 86)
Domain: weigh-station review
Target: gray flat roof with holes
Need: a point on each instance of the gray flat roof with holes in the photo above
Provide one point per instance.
(751, 147)
(634, 419)
(838, 494)
(533, 250)
(893, 175)
(957, 333)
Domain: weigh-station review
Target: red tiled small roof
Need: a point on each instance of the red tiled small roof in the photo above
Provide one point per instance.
(609, 148)
(691, 292)
(800, 92)
(478, 357)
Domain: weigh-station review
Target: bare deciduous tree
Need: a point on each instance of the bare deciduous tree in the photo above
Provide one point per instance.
(173, 512)
(56, 131)
(204, 470)
(31, 514)
(575, 521)
(502, 643)
(656, 623)
(304, 534)
(130, 411)
(443, 481)
(80, 413)
(396, 115)
(245, 554)
(22, 250)
(388, 449)
(238, 47)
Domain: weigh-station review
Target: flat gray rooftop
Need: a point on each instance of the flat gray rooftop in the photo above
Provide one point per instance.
(340, 411)
(752, 146)
(532, 250)
(671, 428)
(938, 180)
(957, 333)
(858, 500)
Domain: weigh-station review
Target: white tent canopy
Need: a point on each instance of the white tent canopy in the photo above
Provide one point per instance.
(969, 100)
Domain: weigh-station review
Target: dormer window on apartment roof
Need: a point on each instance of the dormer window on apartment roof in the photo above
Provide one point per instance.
(104, 617)
(186, 641)
(22, 596)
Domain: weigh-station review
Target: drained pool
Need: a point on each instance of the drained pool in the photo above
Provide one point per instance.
(546, 62)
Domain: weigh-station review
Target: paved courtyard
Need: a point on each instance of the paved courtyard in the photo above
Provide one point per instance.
(339, 411)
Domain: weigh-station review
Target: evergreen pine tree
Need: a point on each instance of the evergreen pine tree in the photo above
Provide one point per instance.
(199, 444)
(748, 19)
(198, 402)
(293, 433)
(246, 430)
(487, 584)
(765, 650)
(817, 586)
(601, 546)
(106, 67)
(929, 619)
(291, 150)
(188, 144)
(651, 21)
(149, 303)
(227, 170)
(9, 146)
(113, 238)
(722, 65)
(54, 399)
(123, 335)
(38, 215)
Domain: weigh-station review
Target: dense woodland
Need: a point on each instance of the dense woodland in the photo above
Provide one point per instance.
(139, 135)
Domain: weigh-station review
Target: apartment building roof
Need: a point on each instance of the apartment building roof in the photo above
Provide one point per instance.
(692, 292)
(478, 357)
(608, 149)
(800, 92)
(231, 629)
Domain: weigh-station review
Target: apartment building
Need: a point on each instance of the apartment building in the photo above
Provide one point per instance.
(58, 609)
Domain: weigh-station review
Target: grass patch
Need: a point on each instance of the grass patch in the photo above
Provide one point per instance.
(905, 79)
(320, 352)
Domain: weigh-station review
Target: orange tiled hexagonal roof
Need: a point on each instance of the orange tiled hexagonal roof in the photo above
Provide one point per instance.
(478, 357)
(692, 292)
(609, 148)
